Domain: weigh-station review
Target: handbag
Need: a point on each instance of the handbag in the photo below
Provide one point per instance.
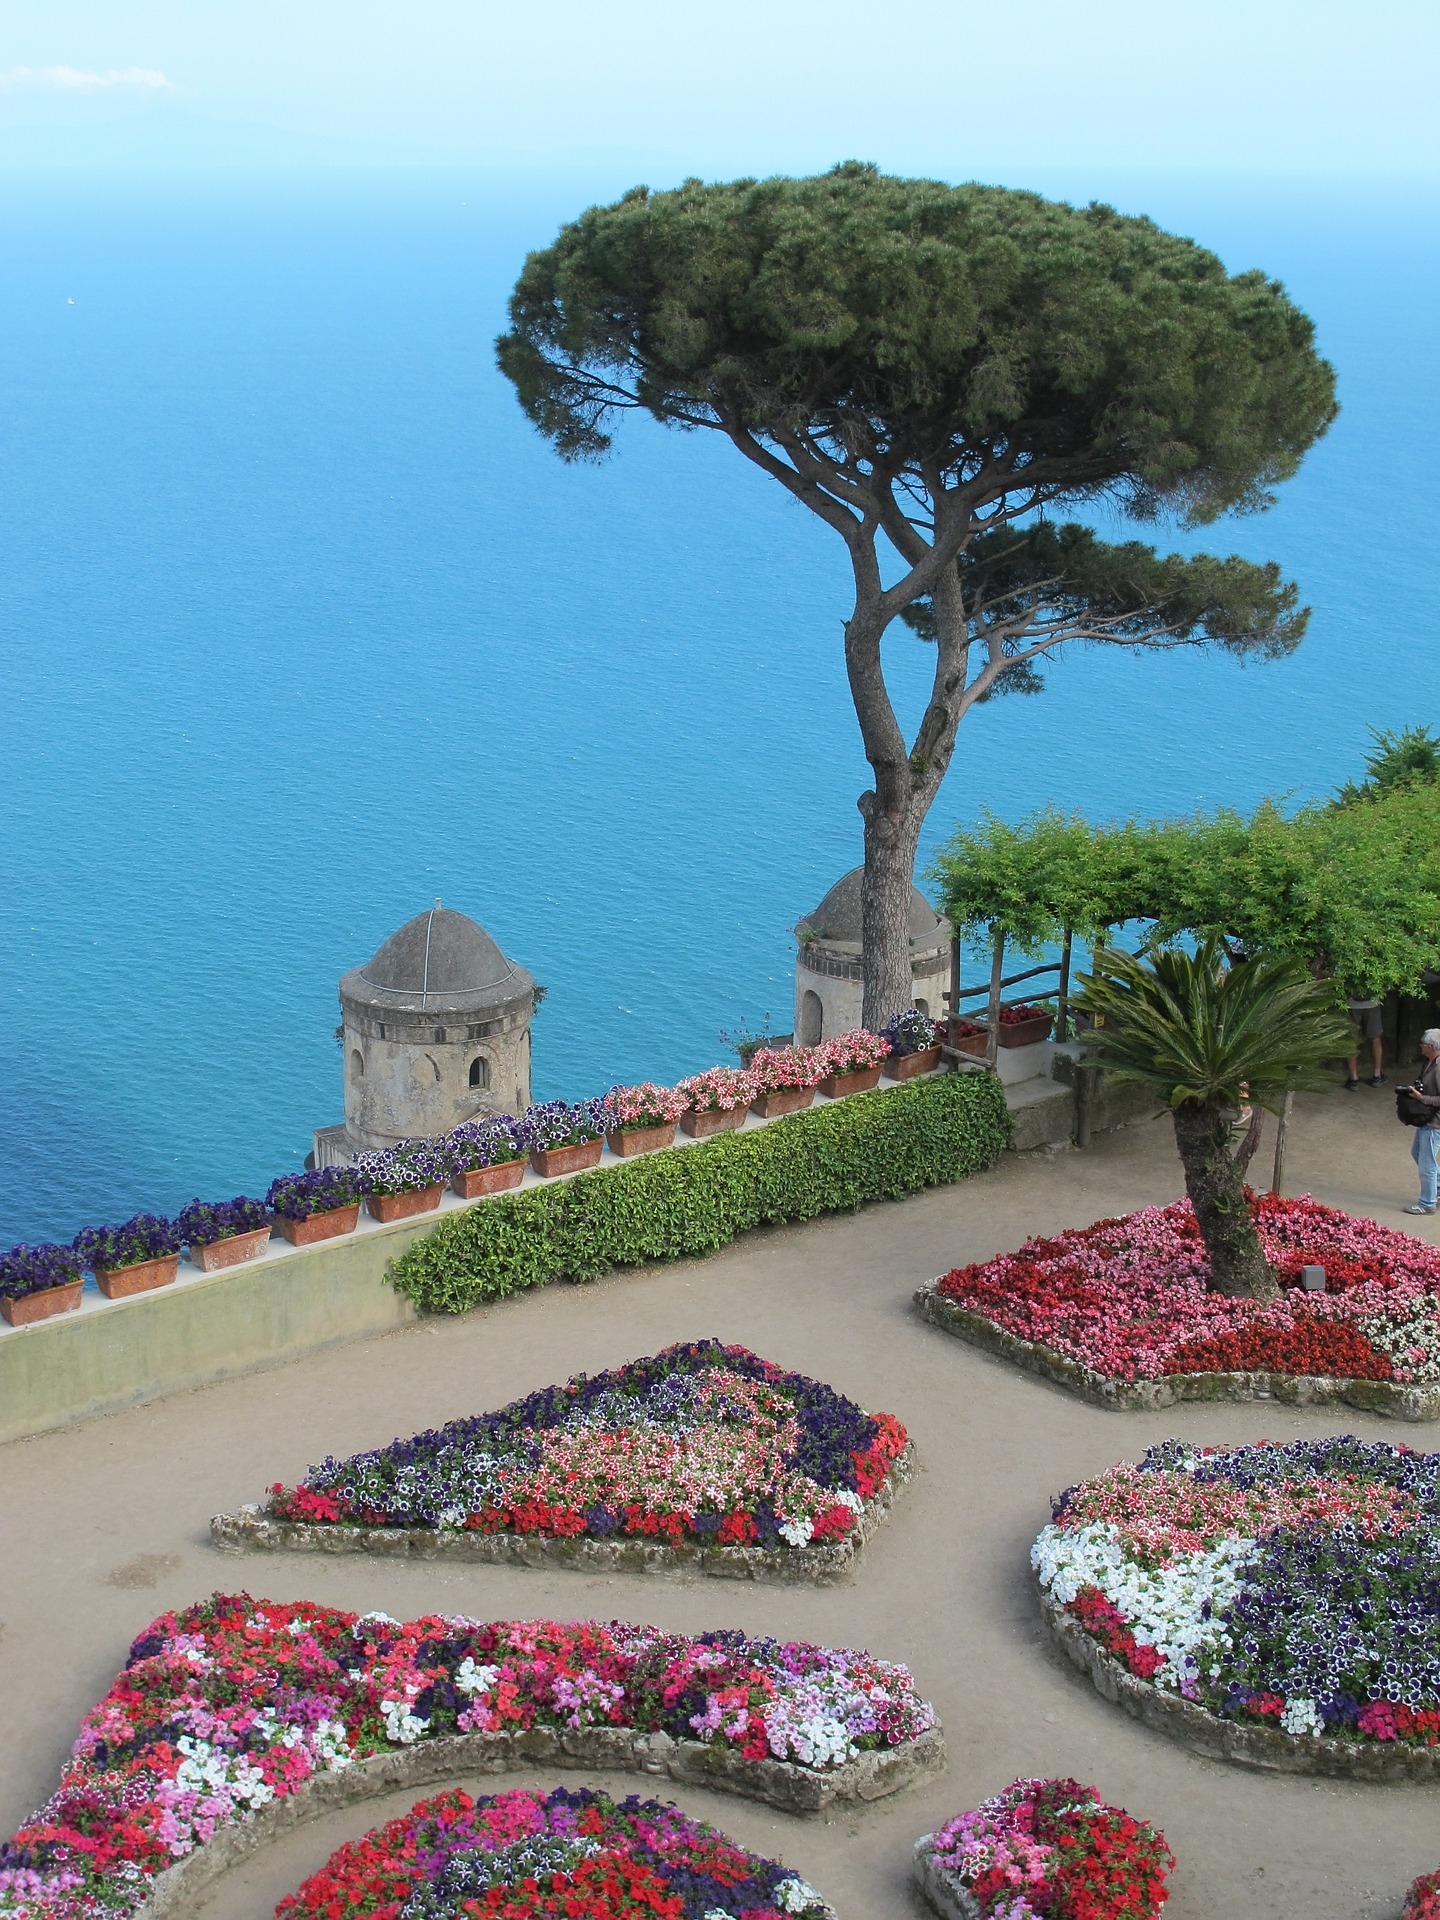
(1410, 1111)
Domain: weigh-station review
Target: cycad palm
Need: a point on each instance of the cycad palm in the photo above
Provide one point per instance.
(1205, 1036)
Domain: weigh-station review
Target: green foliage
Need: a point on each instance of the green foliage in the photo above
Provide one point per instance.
(1200, 1032)
(932, 318)
(1408, 758)
(1033, 588)
(1355, 889)
(690, 1201)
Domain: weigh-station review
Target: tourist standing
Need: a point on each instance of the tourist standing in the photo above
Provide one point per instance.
(1365, 1018)
(1425, 1147)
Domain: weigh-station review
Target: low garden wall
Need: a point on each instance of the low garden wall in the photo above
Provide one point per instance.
(680, 1203)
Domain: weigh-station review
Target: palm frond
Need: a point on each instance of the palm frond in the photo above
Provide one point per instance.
(1197, 1029)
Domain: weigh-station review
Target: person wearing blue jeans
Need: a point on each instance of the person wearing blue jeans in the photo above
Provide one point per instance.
(1425, 1147)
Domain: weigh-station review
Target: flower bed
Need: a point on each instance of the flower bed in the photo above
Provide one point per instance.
(1280, 1600)
(521, 1853)
(703, 1453)
(1045, 1850)
(229, 1709)
(1123, 1307)
(1423, 1900)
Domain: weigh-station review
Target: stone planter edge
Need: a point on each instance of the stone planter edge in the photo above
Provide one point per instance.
(1203, 1732)
(939, 1888)
(1380, 1397)
(777, 1783)
(250, 1529)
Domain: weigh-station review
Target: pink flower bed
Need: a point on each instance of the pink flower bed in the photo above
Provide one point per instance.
(1129, 1297)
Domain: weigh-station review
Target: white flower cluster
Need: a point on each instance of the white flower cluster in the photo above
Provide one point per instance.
(796, 1532)
(1408, 1333)
(1178, 1609)
(1301, 1716)
(796, 1895)
(471, 1678)
(402, 1726)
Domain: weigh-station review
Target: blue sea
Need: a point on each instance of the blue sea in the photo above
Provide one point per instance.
(302, 627)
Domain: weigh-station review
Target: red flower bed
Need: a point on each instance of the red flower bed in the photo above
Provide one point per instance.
(1130, 1297)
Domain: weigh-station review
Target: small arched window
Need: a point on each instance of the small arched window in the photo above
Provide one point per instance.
(812, 1020)
(923, 1006)
(357, 1065)
(479, 1071)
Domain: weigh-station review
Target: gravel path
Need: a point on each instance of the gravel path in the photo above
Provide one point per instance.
(107, 1524)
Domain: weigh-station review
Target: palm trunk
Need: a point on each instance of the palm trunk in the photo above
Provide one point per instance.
(1237, 1261)
(885, 914)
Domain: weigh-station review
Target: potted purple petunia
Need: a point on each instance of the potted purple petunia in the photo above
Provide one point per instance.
(643, 1118)
(485, 1156)
(563, 1138)
(36, 1282)
(316, 1205)
(404, 1180)
(914, 1042)
(719, 1100)
(222, 1233)
(142, 1254)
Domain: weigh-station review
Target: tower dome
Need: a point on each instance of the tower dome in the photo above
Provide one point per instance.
(436, 1030)
(829, 976)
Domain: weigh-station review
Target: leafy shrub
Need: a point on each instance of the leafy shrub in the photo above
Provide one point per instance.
(689, 1201)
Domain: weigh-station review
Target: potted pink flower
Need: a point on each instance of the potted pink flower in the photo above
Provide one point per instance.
(853, 1060)
(786, 1078)
(719, 1100)
(642, 1118)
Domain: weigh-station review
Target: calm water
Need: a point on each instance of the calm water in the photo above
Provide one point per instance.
(301, 627)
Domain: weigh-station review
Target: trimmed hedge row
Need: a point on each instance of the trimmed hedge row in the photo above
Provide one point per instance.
(689, 1201)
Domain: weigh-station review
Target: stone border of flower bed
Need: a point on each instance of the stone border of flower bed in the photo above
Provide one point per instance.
(251, 1530)
(1381, 1397)
(1205, 1733)
(777, 1783)
(943, 1891)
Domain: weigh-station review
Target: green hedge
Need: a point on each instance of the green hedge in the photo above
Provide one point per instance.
(689, 1201)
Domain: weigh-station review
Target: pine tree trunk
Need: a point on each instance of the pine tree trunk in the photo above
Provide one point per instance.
(1237, 1262)
(885, 915)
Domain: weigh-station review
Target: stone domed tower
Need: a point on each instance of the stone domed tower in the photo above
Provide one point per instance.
(829, 979)
(436, 1029)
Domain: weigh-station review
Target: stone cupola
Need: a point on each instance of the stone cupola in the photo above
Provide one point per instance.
(829, 978)
(436, 1029)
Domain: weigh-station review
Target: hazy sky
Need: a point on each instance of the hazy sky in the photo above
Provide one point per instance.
(958, 89)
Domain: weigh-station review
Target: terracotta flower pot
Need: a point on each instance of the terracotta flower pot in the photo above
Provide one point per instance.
(972, 1043)
(782, 1100)
(471, 1182)
(404, 1206)
(230, 1251)
(909, 1066)
(859, 1080)
(141, 1276)
(628, 1140)
(548, 1161)
(700, 1126)
(40, 1306)
(321, 1226)
(1025, 1033)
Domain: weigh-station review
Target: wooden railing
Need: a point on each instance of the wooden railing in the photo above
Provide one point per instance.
(999, 980)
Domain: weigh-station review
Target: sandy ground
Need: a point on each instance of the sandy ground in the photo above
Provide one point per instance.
(106, 1525)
